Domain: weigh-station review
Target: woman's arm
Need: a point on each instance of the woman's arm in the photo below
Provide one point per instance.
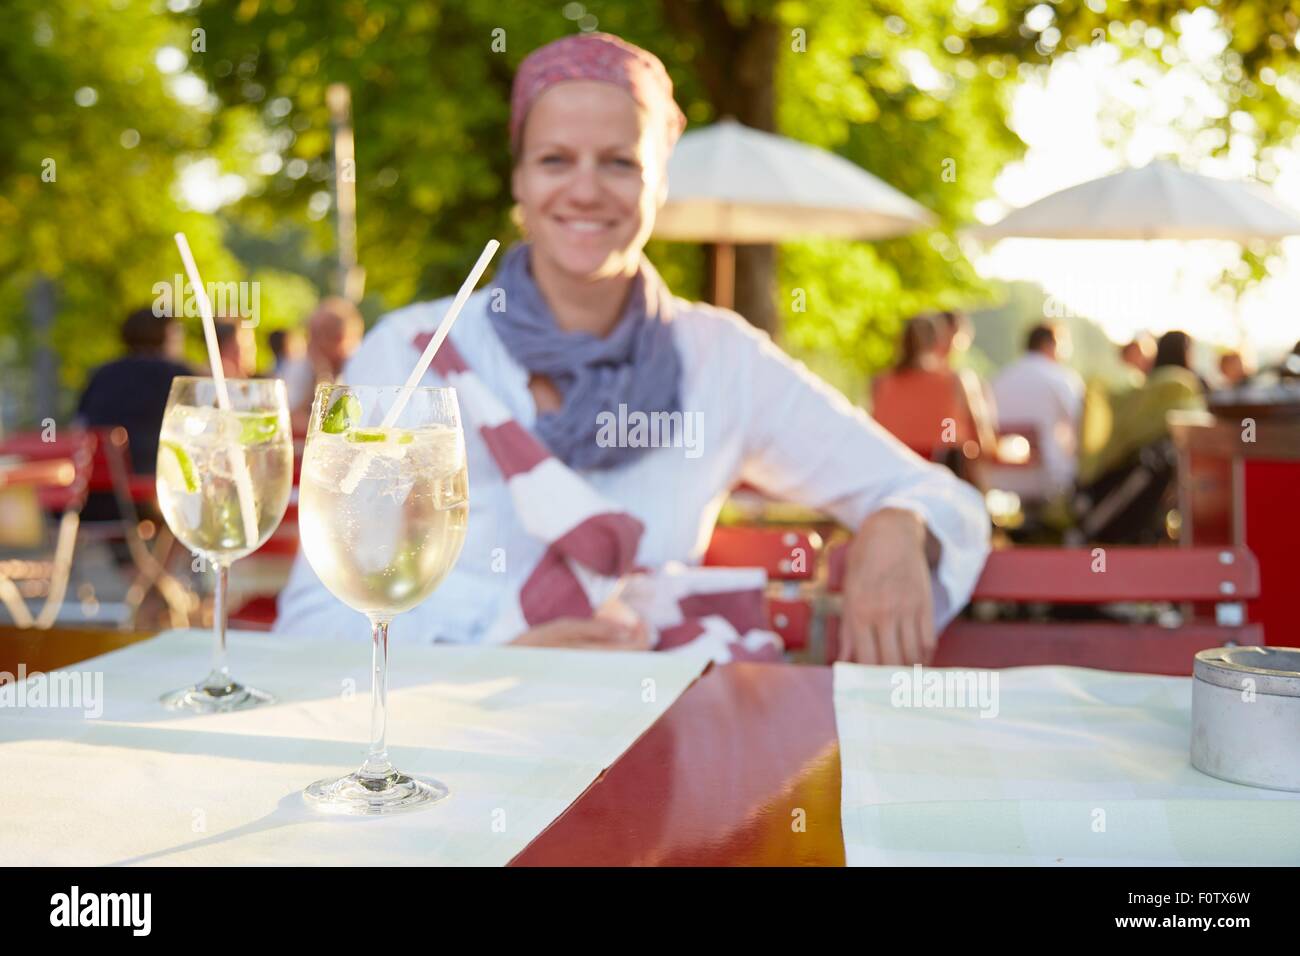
(590, 634)
(888, 610)
(908, 573)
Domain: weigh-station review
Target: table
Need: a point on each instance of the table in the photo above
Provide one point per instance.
(57, 647)
(518, 734)
(743, 769)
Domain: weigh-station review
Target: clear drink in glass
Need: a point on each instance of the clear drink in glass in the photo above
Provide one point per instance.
(382, 517)
(223, 479)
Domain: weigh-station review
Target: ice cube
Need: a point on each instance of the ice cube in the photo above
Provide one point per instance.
(325, 462)
(190, 505)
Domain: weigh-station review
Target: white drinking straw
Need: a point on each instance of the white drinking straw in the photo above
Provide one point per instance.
(209, 323)
(426, 358)
(357, 470)
(243, 478)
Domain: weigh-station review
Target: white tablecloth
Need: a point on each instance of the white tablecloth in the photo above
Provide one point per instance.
(1077, 767)
(516, 733)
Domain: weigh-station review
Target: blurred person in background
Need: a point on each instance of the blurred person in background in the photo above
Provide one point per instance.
(1140, 419)
(1289, 369)
(1172, 385)
(1104, 400)
(237, 349)
(1137, 358)
(1127, 501)
(955, 336)
(132, 391)
(1233, 370)
(929, 407)
(577, 324)
(1044, 398)
(286, 346)
(334, 330)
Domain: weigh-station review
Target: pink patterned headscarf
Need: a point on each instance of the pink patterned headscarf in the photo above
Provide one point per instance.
(605, 59)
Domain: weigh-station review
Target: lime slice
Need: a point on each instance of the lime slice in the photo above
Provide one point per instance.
(227, 518)
(343, 414)
(177, 467)
(255, 429)
(405, 438)
(367, 435)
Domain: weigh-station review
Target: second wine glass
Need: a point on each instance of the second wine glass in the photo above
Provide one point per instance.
(382, 517)
(223, 480)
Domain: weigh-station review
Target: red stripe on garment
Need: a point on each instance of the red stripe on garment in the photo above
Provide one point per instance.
(679, 635)
(447, 361)
(552, 591)
(769, 653)
(605, 543)
(513, 448)
(743, 610)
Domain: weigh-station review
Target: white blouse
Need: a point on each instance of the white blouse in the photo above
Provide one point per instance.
(755, 415)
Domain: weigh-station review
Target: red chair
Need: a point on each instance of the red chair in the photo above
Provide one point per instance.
(792, 620)
(112, 474)
(1224, 577)
(785, 554)
(1029, 433)
(789, 556)
(108, 472)
(59, 471)
(258, 612)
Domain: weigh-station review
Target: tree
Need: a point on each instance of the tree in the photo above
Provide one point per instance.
(915, 91)
(98, 123)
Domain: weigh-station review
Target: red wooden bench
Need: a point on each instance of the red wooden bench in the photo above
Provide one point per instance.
(790, 558)
(1224, 577)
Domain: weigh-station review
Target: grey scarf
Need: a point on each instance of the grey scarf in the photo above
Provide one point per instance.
(635, 365)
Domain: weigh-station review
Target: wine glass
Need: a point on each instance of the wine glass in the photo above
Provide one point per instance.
(382, 509)
(223, 479)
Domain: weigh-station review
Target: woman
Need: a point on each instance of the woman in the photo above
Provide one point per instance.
(927, 406)
(577, 327)
(1140, 416)
(1122, 493)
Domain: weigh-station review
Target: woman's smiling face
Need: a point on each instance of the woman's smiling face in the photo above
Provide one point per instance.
(589, 179)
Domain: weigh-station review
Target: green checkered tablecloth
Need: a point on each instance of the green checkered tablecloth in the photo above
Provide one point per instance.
(1048, 766)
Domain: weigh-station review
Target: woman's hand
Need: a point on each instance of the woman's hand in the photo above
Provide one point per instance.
(592, 634)
(888, 612)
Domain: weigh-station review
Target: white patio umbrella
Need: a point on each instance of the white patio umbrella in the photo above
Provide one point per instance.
(1157, 201)
(729, 184)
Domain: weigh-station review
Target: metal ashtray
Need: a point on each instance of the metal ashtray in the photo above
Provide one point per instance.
(1246, 715)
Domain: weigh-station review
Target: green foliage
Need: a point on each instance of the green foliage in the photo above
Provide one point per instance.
(858, 91)
(84, 196)
(915, 91)
(430, 89)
